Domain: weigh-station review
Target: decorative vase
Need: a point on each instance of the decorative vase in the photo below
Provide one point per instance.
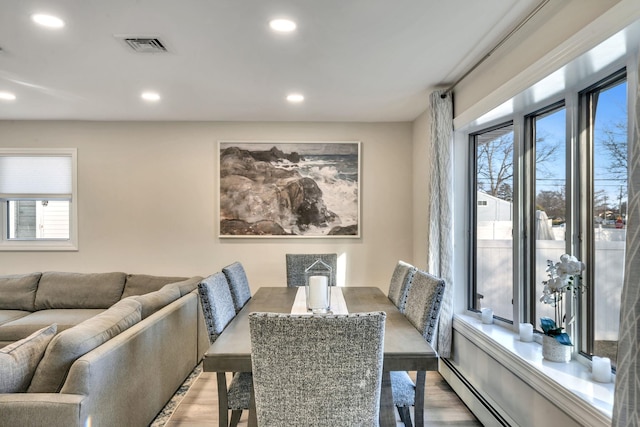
(553, 351)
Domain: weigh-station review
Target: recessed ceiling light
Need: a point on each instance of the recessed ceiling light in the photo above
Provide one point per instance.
(7, 96)
(150, 96)
(282, 25)
(47, 20)
(295, 97)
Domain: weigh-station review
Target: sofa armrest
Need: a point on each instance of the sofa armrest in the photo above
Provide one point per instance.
(40, 409)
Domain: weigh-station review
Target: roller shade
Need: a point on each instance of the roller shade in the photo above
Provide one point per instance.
(36, 176)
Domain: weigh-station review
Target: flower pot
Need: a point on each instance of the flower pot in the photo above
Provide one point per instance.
(553, 351)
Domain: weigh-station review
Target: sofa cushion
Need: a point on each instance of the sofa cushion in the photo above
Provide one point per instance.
(79, 290)
(154, 301)
(25, 325)
(11, 315)
(188, 285)
(68, 345)
(140, 284)
(18, 361)
(18, 291)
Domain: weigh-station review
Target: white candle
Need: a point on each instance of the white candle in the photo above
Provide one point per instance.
(318, 292)
(601, 369)
(526, 332)
(487, 315)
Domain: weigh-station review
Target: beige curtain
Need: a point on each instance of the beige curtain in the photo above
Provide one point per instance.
(626, 409)
(441, 210)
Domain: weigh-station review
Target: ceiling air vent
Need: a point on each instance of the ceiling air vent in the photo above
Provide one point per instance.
(145, 44)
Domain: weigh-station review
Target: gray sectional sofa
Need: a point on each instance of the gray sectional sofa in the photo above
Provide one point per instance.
(103, 349)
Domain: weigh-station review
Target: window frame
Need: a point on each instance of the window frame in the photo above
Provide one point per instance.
(70, 244)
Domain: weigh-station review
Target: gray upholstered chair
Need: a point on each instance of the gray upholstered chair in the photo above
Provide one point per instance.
(219, 310)
(422, 309)
(238, 284)
(317, 371)
(298, 263)
(401, 283)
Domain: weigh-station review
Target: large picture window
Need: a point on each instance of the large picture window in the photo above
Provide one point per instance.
(37, 195)
(555, 184)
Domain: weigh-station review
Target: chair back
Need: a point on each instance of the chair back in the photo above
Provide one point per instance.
(317, 370)
(424, 302)
(217, 304)
(298, 263)
(401, 283)
(238, 284)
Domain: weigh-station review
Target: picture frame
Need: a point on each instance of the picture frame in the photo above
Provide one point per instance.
(283, 189)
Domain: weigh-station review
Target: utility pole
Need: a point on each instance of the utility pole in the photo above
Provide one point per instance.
(620, 202)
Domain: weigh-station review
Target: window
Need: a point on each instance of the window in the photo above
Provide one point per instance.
(605, 122)
(37, 195)
(549, 182)
(547, 140)
(493, 221)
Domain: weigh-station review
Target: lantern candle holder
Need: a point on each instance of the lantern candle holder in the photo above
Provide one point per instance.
(318, 287)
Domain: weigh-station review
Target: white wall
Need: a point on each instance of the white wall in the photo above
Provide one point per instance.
(421, 190)
(147, 196)
(555, 23)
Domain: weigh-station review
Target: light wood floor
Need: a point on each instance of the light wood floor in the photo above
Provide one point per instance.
(199, 407)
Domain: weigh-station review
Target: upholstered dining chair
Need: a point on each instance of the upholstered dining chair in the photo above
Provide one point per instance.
(298, 263)
(219, 310)
(400, 284)
(318, 371)
(238, 284)
(422, 309)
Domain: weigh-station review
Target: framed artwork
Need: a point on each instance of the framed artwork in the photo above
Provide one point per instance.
(289, 189)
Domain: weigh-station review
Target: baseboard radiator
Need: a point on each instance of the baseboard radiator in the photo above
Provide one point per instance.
(475, 401)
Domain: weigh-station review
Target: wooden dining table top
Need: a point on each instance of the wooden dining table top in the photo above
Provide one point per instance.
(404, 347)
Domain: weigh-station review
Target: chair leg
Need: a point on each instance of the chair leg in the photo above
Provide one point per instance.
(235, 417)
(405, 415)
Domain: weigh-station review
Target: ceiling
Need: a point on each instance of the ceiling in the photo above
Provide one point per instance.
(353, 60)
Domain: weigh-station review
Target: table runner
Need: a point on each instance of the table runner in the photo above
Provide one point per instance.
(338, 304)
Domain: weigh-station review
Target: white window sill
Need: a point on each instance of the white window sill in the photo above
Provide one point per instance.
(38, 246)
(570, 384)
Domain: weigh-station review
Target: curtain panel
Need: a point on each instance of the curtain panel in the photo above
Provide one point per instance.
(440, 239)
(626, 408)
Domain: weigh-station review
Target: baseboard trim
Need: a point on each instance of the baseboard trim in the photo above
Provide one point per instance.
(481, 407)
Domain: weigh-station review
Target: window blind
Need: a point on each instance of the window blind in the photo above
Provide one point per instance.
(35, 176)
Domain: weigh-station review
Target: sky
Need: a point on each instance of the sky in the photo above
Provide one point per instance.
(611, 109)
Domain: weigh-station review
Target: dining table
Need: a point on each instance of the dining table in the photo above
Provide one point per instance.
(404, 347)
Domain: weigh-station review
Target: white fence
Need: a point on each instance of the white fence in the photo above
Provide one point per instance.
(494, 273)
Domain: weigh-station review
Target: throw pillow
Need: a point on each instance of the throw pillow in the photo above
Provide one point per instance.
(18, 361)
(75, 342)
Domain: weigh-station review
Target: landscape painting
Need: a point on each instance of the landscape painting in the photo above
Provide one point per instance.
(289, 189)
